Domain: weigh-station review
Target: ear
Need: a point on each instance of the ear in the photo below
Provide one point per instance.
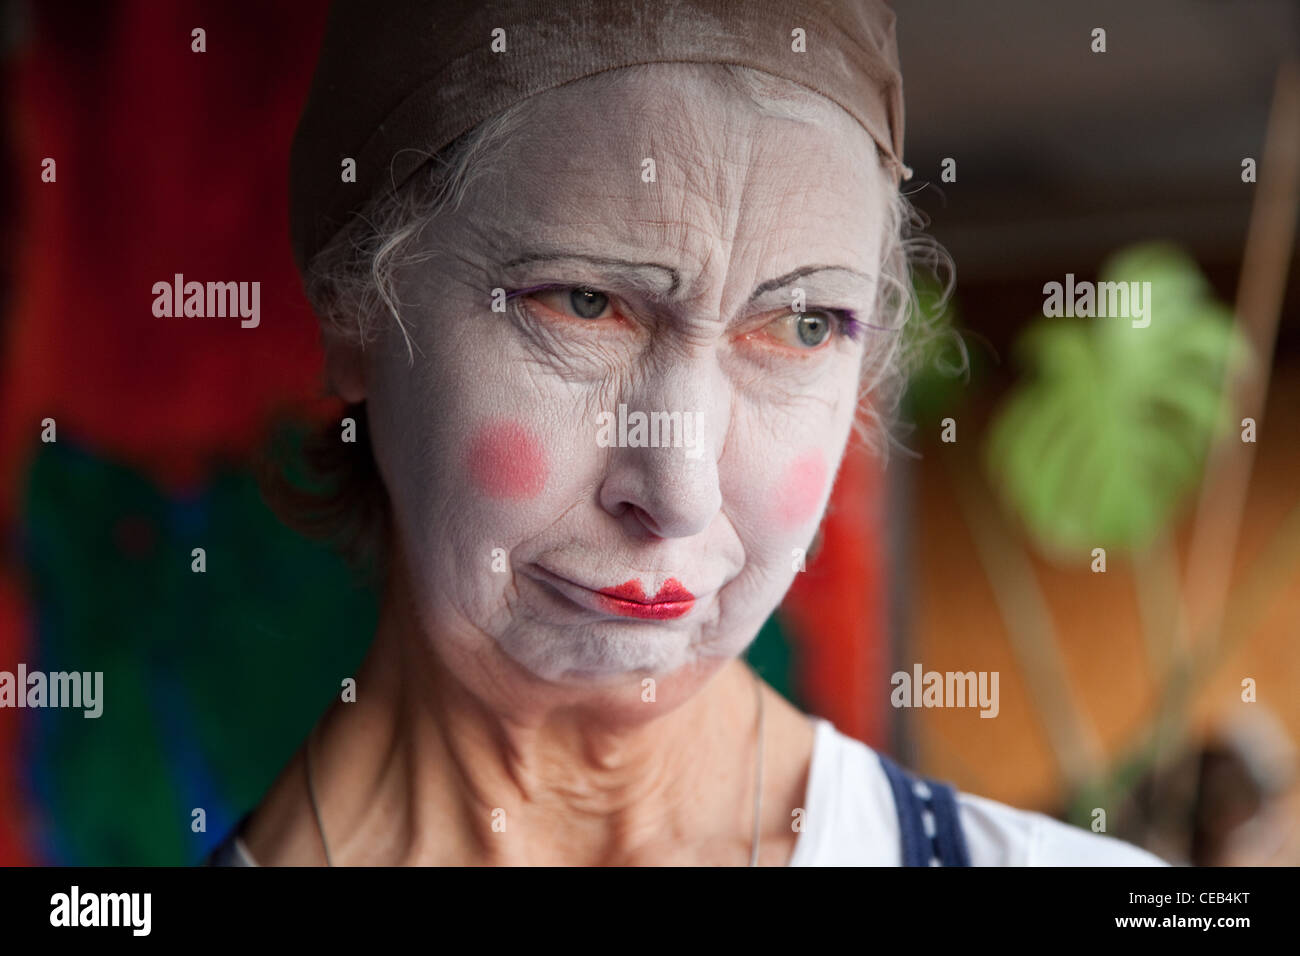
(345, 368)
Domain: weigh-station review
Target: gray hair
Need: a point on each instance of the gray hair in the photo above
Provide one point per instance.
(351, 285)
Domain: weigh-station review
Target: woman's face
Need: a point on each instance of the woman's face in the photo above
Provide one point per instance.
(661, 226)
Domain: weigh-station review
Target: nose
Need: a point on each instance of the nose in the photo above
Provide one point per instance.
(669, 491)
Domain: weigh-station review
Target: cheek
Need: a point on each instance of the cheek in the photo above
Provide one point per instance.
(506, 460)
(796, 499)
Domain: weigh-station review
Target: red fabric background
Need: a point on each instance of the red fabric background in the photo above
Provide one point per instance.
(174, 161)
(167, 161)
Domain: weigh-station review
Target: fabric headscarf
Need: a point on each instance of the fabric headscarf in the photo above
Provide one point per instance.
(397, 80)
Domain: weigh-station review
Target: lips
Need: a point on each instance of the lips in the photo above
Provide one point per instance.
(673, 600)
(629, 600)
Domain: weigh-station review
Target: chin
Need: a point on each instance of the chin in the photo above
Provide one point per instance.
(619, 668)
(610, 652)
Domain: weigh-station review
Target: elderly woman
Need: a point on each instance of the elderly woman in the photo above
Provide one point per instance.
(521, 236)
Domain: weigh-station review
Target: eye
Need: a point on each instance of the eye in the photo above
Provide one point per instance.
(813, 329)
(580, 302)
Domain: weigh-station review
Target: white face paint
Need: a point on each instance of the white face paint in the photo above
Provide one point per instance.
(499, 435)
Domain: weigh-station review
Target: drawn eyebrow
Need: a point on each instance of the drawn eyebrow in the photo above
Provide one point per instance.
(632, 270)
(782, 281)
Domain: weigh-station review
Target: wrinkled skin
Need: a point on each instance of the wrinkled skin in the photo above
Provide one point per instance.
(499, 677)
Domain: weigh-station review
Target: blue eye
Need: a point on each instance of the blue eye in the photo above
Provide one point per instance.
(588, 303)
(812, 328)
(578, 302)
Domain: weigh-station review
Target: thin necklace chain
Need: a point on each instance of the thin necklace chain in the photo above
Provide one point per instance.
(758, 784)
(758, 775)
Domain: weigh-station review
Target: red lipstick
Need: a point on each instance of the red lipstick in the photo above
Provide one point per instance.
(629, 600)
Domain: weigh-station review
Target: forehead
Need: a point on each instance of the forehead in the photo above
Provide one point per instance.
(677, 160)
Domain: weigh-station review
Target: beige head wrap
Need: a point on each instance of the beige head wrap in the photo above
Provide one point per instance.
(399, 79)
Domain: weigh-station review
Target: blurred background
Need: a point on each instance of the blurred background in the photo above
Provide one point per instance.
(1159, 682)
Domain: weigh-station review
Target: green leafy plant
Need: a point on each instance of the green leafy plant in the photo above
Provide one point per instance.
(1103, 445)
(1107, 437)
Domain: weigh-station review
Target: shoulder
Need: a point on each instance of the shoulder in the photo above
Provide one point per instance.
(851, 820)
(1002, 835)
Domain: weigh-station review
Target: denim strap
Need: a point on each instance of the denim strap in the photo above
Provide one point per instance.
(927, 819)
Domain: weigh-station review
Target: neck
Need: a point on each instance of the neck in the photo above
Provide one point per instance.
(520, 771)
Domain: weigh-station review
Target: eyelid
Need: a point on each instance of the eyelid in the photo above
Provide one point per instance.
(652, 281)
(844, 325)
(547, 286)
(614, 302)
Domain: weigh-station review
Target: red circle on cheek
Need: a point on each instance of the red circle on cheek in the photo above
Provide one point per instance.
(506, 460)
(800, 492)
